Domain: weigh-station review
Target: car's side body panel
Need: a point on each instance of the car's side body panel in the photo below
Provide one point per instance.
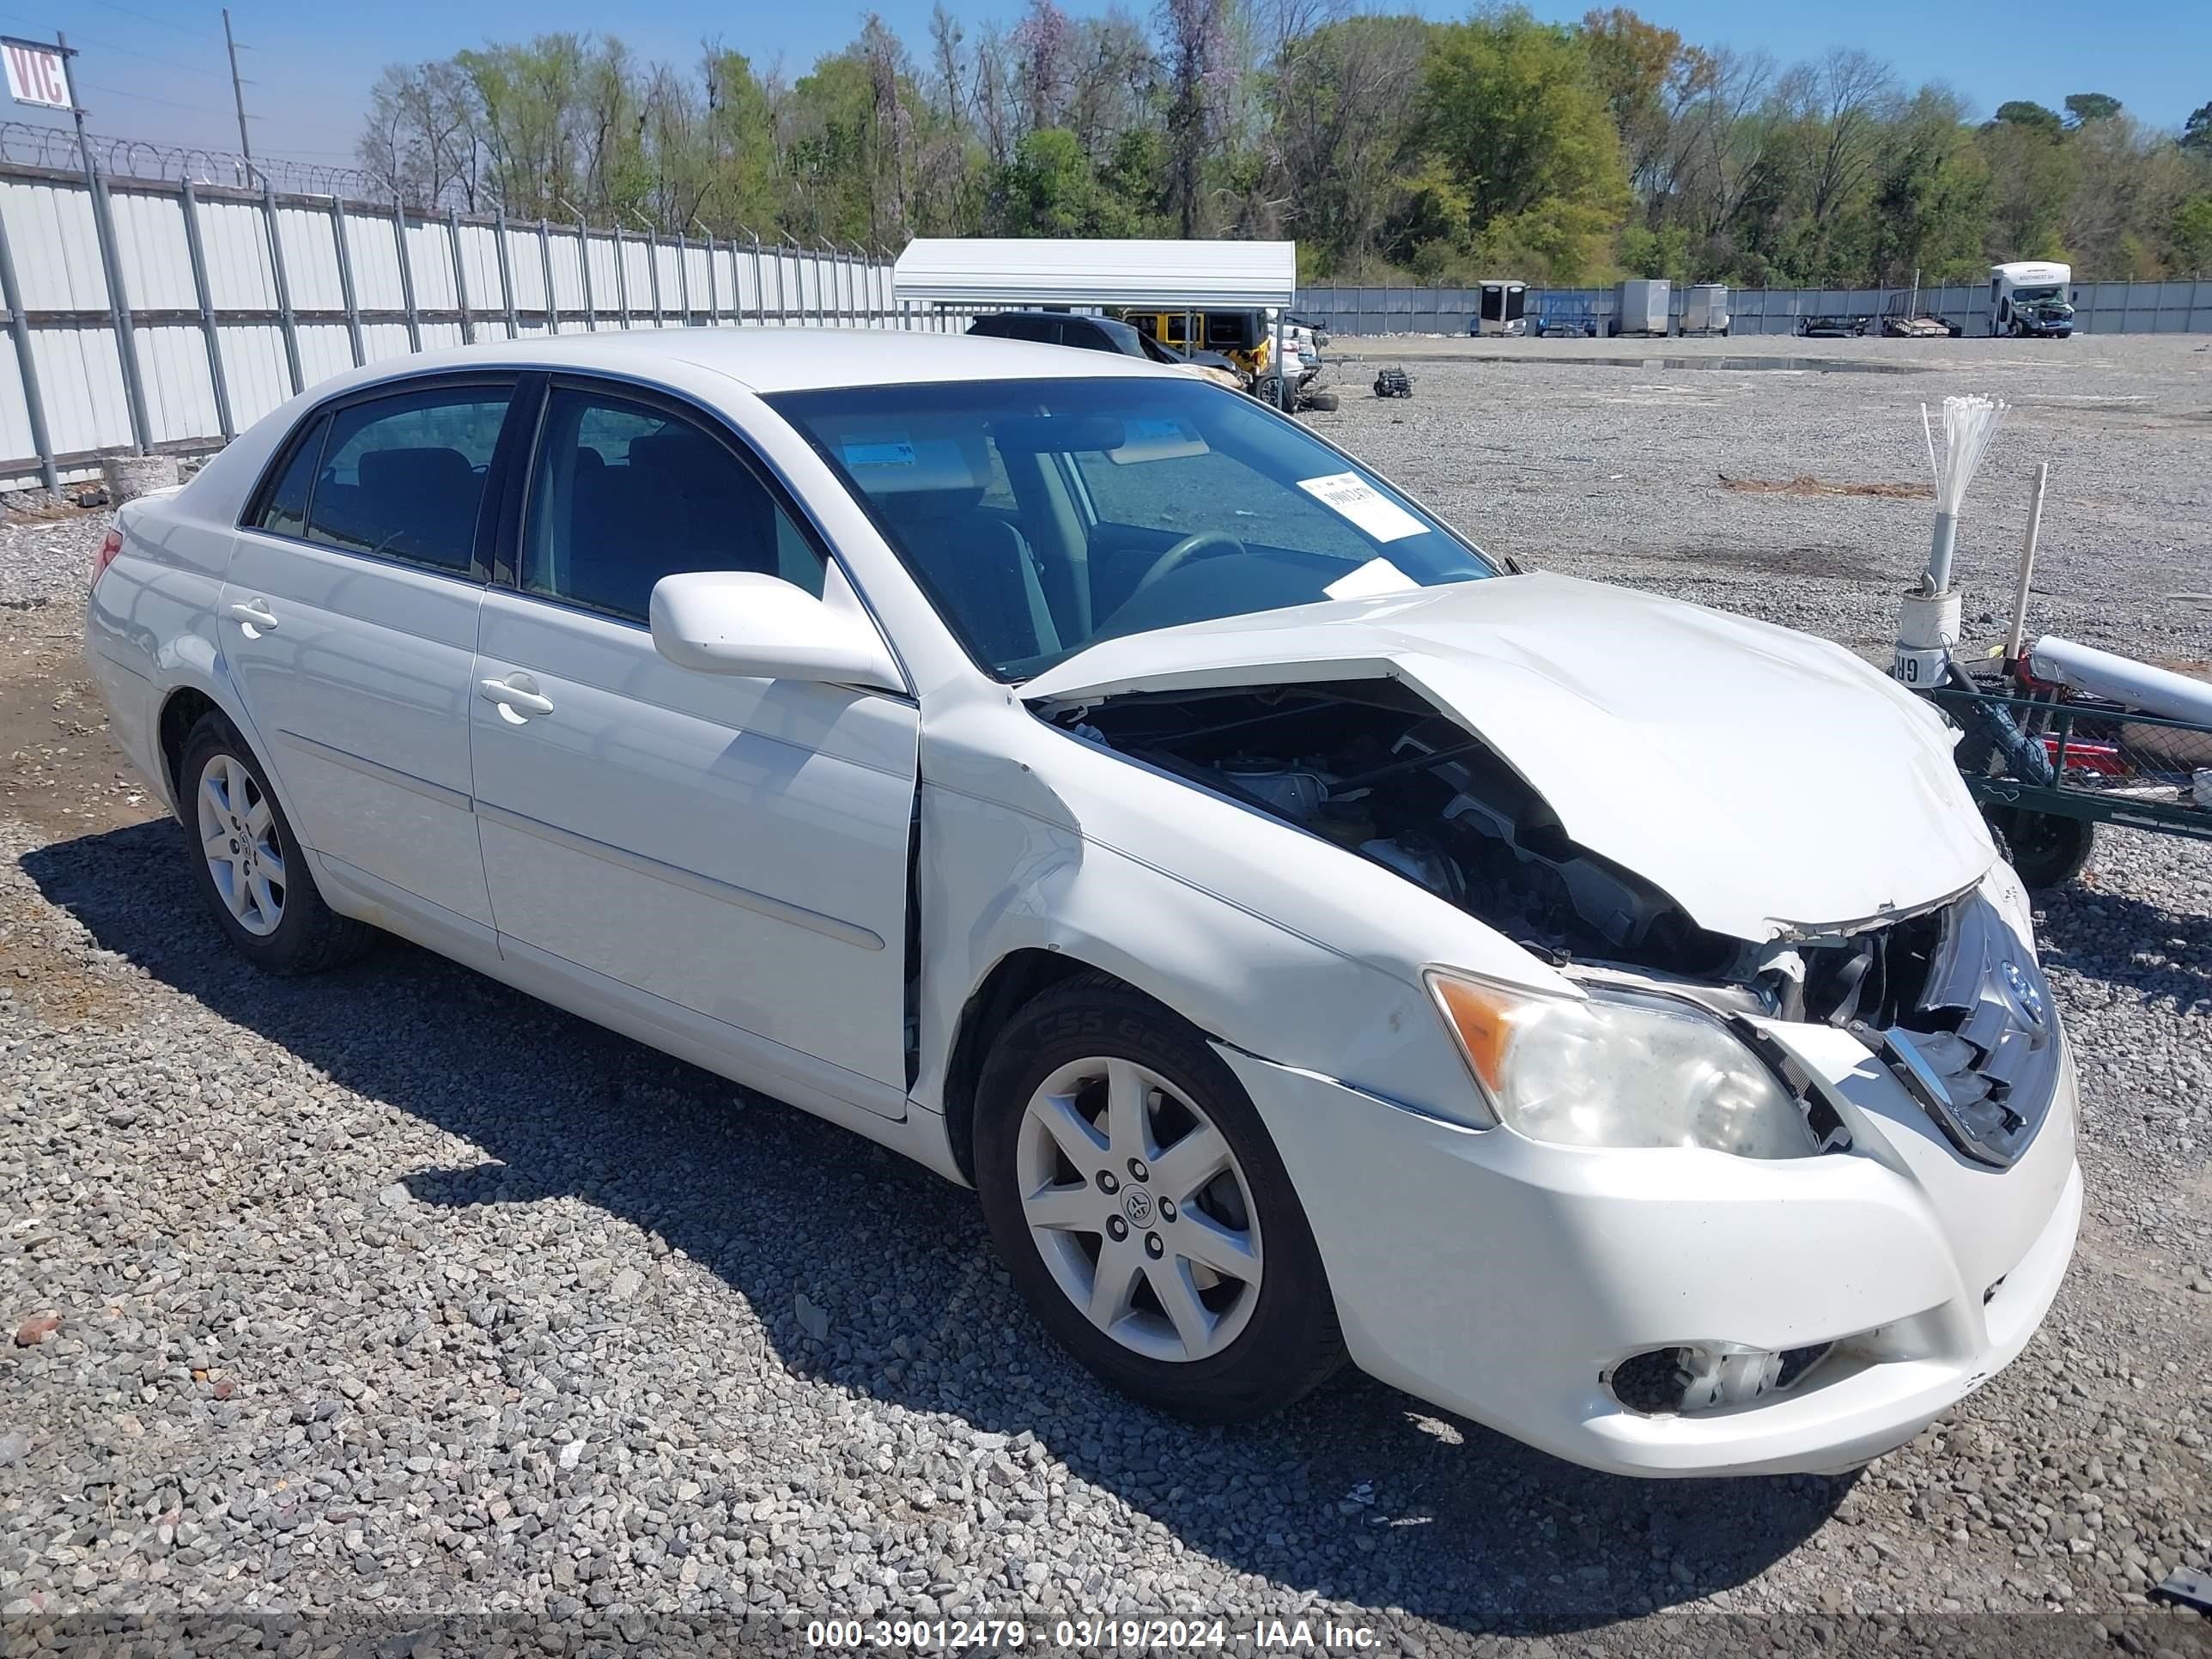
(360, 697)
(151, 622)
(734, 846)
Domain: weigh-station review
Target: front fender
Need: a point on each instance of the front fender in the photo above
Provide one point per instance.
(1261, 935)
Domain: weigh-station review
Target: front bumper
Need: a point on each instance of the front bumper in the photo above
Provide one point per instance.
(1503, 1277)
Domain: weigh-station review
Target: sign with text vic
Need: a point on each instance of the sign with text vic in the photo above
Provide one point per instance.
(38, 72)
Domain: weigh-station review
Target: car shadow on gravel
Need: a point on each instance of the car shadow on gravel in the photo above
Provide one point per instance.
(2125, 942)
(1360, 1494)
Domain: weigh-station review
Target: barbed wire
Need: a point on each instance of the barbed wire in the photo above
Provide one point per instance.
(142, 159)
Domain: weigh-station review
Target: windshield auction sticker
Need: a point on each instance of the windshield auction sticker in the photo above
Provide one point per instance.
(1353, 497)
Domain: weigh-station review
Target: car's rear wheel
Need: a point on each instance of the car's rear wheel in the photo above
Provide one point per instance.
(1142, 1210)
(246, 862)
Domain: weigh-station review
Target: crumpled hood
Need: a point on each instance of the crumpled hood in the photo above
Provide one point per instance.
(1769, 782)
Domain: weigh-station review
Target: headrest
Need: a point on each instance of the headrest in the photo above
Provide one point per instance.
(677, 449)
(416, 471)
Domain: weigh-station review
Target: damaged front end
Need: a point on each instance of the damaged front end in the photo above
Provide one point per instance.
(1670, 1045)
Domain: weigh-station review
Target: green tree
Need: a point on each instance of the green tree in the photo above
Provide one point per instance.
(2084, 108)
(2192, 234)
(2197, 130)
(1512, 111)
(2037, 117)
(1929, 209)
(1050, 189)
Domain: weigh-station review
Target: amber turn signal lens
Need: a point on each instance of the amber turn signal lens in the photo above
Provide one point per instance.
(1483, 1017)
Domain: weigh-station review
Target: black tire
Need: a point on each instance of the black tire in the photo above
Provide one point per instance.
(2046, 848)
(1269, 391)
(1326, 402)
(309, 936)
(1291, 1341)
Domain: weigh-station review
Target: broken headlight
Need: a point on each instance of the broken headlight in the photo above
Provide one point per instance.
(1619, 1069)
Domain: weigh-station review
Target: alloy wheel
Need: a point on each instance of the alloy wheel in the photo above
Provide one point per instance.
(1138, 1208)
(238, 838)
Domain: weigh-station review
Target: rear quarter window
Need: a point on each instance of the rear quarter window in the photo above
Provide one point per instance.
(283, 507)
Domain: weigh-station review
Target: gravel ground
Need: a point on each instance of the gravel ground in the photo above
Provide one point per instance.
(393, 1294)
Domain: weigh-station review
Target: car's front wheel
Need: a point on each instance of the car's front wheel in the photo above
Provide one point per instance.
(1142, 1210)
(246, 861)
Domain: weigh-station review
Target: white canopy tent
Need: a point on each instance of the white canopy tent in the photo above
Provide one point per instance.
(1010, 273)
(1018, 272)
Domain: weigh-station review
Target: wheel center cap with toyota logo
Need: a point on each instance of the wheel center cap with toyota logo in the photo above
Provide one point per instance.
(1137, 1205)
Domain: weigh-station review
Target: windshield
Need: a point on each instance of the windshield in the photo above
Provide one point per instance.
(2029, 295)
(1044, 515)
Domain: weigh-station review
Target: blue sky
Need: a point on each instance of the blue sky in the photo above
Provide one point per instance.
(156, 68)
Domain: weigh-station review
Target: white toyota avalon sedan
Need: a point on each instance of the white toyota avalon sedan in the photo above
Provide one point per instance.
(1313, 938)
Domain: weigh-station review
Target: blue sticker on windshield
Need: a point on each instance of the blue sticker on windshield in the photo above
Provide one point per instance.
(1137, 431)
(890, 452)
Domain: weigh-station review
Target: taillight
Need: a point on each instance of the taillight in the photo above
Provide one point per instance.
(105, 557)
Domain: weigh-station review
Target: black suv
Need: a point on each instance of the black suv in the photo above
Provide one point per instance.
(1065, 328)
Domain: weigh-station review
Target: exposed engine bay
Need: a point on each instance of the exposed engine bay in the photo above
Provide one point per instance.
(1374, 768)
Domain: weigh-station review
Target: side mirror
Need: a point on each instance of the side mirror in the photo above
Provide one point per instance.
(740, 621)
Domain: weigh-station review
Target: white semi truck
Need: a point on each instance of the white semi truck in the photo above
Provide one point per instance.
(2032, 297)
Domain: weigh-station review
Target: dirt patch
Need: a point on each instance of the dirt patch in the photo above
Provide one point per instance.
(1829, 559)
(58, 768)
(1806, 484)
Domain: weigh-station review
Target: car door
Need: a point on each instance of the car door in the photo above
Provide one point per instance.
(733, 848)
(348, 619)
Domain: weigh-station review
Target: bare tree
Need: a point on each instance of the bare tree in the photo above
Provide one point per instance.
(1196, 37)
(892, 128)
(423, 142)
(1855, 94)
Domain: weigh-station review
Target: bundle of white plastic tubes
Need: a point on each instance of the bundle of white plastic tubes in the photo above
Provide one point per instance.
(1968, 424)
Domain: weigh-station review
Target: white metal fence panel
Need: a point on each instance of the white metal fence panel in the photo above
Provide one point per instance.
(59, 267)
(156, 260)
(373, 249)
(430, 260)
(253, 366)
(180, 400)
(235, 239)
(145, 313)
(311, 266)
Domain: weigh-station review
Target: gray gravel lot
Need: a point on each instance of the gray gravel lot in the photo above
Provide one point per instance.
(392, 1292)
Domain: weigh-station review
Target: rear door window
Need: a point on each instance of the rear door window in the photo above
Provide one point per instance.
(403, 477)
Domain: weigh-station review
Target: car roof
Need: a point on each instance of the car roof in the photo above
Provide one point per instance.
(771, 359)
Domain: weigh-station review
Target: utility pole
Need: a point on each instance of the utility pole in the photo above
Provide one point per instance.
(238, 96)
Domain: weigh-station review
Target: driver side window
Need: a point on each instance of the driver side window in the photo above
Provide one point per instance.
(403, 477)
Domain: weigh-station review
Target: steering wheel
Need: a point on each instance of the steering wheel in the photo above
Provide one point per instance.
(1183, 552)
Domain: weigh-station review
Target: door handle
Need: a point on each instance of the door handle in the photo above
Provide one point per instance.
(255, 614)
(516, 702)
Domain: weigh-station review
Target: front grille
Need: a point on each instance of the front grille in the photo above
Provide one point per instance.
(1979, 1049)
